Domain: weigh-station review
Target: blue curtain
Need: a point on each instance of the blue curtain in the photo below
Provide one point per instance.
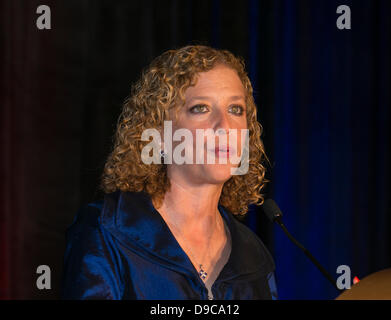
(331, 173)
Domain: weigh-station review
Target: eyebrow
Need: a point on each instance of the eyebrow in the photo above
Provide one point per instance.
(208, 97)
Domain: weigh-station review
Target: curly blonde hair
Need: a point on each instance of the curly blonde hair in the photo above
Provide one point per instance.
(161, 87)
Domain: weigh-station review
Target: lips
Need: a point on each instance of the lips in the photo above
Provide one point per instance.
(223, 151)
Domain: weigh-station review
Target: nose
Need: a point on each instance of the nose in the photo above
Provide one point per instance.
(222, 123)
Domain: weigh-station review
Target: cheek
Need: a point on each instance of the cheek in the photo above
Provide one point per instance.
(243, 123)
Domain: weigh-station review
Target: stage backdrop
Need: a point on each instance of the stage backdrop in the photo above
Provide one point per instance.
(323, 100)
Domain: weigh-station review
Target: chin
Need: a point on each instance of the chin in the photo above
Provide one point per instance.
(218, 173)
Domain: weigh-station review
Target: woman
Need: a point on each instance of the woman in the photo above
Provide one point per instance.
(169, 229)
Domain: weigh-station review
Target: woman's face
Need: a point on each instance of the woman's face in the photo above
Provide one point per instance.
(217, 101)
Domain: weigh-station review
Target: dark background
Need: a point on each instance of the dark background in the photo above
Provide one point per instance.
(323, 99)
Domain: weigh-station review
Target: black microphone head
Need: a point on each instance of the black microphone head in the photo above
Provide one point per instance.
(271, 210)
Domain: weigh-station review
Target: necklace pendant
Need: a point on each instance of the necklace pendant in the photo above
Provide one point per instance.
(202, 273)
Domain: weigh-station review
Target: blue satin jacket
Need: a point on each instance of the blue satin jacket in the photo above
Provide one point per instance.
(121, 248)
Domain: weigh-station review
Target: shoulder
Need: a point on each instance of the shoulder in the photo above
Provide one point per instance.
(86, 220)
(90, 258)
(86, 233)
(255, 246)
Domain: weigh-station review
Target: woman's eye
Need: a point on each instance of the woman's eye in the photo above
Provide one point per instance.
(199, 108)
(236, 109)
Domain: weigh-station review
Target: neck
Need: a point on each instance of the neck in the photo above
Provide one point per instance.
(193, 209)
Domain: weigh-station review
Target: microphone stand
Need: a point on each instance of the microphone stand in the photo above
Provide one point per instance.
(278, 220)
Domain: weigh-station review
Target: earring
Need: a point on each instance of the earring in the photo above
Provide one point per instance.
(162, 153)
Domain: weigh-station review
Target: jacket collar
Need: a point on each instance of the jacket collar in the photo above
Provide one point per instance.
(132, 219)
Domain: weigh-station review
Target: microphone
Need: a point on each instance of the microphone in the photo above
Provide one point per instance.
(274, 214)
